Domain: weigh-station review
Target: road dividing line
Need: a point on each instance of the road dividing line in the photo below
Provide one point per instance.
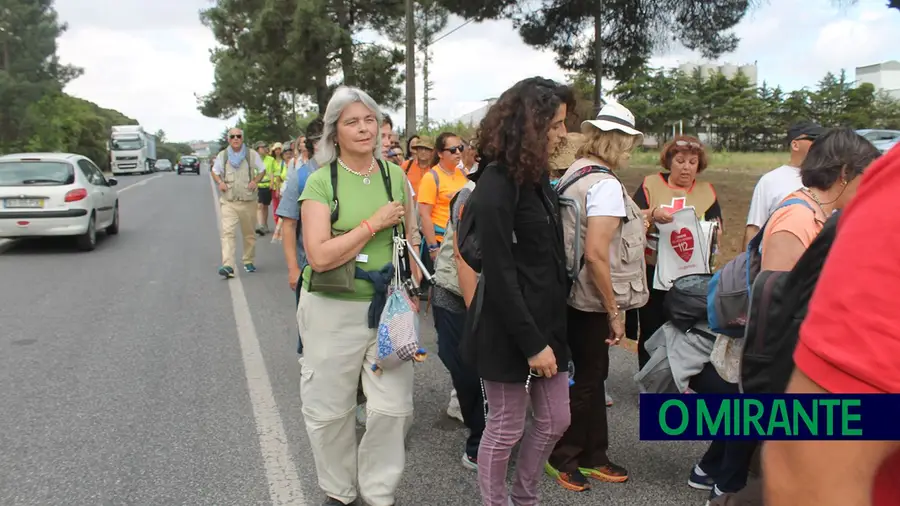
(141, 182)
(285, 486)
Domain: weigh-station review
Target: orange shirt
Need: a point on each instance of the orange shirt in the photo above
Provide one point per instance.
(802, 222)
(414, 174)
(438, 193)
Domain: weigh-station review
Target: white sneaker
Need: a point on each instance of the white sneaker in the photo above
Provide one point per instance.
(361, 415)
(453, 410)
(609, 399)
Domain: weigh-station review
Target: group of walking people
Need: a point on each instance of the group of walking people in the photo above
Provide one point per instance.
(566, 262)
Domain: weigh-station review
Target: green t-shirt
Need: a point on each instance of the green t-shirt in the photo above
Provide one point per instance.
(357, 202)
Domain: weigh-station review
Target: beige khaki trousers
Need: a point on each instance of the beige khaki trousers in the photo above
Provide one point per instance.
(235, 213)
(338, 348)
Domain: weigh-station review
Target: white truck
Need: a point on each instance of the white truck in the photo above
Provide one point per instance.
(132, 150)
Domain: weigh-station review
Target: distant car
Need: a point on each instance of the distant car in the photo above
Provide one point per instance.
(56, 194)
(189, 164)
(163, 165)
(884, 140)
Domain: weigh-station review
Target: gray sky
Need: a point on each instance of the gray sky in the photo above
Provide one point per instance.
(149, 59)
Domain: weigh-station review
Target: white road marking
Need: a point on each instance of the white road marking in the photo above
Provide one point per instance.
(285, 486)
(139, 183)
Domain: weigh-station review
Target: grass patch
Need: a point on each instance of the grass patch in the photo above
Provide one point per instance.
(734, 175)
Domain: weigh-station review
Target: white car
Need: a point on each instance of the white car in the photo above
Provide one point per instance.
(56, 194)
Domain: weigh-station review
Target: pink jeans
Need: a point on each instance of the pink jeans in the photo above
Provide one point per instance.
(507, 405)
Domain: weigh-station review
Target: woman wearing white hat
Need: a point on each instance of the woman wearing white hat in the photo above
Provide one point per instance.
(609, 277)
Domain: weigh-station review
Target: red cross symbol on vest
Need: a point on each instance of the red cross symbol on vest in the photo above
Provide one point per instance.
(677, 204)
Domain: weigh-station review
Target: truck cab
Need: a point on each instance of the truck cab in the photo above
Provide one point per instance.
(132, 150)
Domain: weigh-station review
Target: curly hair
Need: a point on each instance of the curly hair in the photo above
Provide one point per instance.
(514, 131)
(683, 144)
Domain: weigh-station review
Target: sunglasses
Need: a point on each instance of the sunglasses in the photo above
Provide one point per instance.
(455, 149)
(236, 136)
(686, 144)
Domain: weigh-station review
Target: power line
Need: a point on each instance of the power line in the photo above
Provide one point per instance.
(450, 32)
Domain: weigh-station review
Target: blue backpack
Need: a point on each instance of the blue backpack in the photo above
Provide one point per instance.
(728, 294)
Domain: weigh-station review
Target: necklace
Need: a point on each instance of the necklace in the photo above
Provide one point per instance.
(365, 177)
(815, 199)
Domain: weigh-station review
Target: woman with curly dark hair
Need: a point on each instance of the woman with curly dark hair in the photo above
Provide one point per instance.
(516, 329)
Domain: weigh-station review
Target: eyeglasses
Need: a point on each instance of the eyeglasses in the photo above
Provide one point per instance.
(235, 136)
(455, 149)
(685, 144)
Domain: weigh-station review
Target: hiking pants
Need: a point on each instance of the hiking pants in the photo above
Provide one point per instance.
(238, 213)
(728, 462)
(338, 347)
(586, 441)
(449, 327)
(506, 426)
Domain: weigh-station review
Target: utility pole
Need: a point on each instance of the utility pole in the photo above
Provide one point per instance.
(410, 68)
(426, 88)
(598, 56)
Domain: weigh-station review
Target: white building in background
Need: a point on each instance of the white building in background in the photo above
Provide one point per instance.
(728, 70)
(883, 76)
(474, 118)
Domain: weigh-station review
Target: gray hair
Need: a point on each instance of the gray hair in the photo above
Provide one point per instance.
(327, 148)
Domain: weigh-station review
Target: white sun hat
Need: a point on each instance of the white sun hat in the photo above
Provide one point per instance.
(614, 116)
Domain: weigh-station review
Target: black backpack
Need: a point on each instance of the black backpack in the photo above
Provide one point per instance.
(778, 305)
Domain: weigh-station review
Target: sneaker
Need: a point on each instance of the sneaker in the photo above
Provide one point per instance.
(700, 480)
(470, 463)
(453, 409)
(250, 267)
(714, 493)
(610, 473)
(226, 272)
(331, 501)
(361, 415)
(609, 399)
(260, 231)
(576, 482)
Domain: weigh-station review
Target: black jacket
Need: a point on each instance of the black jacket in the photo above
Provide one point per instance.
(523, 277)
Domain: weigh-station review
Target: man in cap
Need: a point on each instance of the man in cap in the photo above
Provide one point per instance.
(415, 168)
(237, 172)
(774, 186)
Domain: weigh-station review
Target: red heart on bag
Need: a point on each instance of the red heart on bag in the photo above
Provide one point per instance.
(683, 243)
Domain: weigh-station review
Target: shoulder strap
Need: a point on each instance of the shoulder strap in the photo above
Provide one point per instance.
(406, 165)
(756, 242)
(585, 171)
(334, 194)
(437, 181)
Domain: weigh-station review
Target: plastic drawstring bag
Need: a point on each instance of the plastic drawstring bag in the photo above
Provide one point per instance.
(398, 328)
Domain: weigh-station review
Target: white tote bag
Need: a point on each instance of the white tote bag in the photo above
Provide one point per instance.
(684, 248)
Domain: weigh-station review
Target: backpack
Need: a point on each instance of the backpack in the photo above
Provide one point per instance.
(778, 305)
(445, 271)
(467, 232)
(576, 256)
(728, 295)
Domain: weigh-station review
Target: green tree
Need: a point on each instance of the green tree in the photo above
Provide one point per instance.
(274, 50)
(630, 31)
(30, 69)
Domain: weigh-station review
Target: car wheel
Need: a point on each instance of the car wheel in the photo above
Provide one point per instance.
(113, 228)
(88, 240)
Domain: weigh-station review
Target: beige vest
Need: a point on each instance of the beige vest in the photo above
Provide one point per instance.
(237, 180)
(626, 250)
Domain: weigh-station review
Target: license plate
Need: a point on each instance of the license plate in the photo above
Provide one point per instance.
(24, 203)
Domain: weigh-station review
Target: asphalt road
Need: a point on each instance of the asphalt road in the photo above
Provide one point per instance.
(134, 374)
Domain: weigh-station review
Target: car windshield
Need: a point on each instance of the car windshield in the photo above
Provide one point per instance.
(35, 173)
(127, 144)
(188, 159)
(162, 163)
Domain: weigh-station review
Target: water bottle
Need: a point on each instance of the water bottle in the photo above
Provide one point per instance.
(571, 373)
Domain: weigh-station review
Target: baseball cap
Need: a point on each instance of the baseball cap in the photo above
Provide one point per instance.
(260, 144)
(805, 130)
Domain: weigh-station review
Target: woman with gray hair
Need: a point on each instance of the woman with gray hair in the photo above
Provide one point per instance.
(349, 208)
